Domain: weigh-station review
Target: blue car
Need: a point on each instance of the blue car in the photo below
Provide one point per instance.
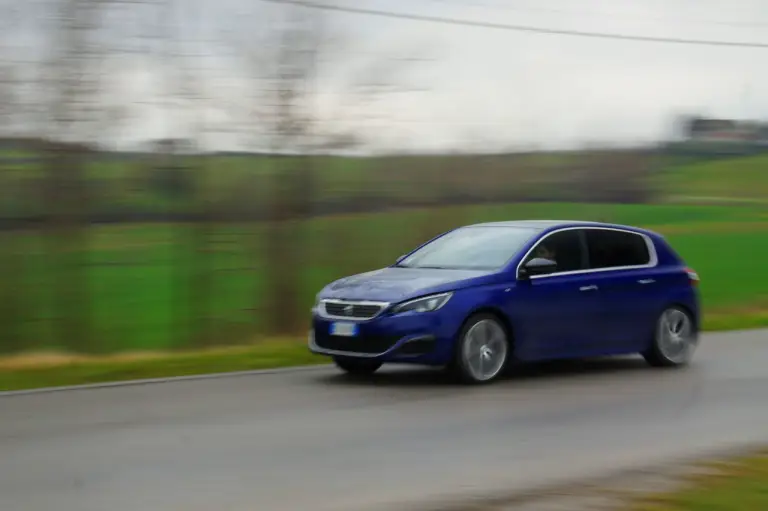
(478, 297)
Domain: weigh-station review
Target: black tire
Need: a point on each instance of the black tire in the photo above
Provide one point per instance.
(357, 367)
(501, 351)
(665, 351)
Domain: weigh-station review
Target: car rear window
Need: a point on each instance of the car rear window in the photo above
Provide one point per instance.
(612, 249)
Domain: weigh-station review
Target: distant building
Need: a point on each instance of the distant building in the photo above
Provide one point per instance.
(171, 146)
(700, 129)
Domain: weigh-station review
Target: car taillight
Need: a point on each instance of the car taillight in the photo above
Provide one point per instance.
(693, 277)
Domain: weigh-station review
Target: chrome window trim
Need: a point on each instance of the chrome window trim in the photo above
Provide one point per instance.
(323, 313)
(654, 257)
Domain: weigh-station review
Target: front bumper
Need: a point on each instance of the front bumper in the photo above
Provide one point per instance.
(419, 338)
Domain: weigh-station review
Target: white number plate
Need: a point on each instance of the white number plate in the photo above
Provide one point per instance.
(344, 329)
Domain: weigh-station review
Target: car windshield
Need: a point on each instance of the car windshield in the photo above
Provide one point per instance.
(471, 248)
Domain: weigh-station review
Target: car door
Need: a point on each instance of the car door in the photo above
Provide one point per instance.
(553, 314)
(630, 284)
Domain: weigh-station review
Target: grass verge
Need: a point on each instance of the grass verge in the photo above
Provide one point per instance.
(41, 370)
(736, 319)
(732, 485)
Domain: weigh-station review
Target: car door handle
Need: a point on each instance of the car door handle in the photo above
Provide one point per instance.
(588, 288)
(646, 281)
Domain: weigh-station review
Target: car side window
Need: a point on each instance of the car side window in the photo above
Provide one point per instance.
(564, 247)
(612, 249)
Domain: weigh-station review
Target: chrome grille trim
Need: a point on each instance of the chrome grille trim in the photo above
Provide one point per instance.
(382, 306)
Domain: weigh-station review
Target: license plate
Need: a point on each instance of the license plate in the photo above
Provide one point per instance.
(344, 329)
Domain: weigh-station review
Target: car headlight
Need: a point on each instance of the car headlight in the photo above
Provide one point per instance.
(425, 304)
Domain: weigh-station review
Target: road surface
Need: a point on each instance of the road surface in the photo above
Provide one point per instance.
(313, 440)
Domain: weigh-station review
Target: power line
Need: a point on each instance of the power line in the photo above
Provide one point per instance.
(516, 28)
(600, 14)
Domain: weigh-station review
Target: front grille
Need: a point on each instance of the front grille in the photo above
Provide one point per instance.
(352, 310)
(363, 344)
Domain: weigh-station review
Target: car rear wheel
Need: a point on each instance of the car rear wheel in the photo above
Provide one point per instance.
(482, 350)
(357, 367)
(675, 339)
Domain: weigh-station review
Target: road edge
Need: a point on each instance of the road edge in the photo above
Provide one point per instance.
(164, 379)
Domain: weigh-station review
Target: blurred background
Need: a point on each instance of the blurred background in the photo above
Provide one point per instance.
(185, 174)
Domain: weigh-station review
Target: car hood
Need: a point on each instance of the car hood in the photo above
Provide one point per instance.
(395, 284)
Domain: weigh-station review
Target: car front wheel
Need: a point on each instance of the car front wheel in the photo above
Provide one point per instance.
(675, 339)
(482, 350)
(357, 367)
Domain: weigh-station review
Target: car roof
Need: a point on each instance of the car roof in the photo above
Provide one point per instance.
(546, 225)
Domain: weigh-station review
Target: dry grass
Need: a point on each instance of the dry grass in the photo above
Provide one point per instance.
(55, 359)
(53, 369)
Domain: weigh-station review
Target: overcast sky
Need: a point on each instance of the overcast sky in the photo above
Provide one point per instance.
(505, 89)
(556, 90)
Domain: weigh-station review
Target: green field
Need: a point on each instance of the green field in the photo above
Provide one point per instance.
(137, 279)
(132, 185)
(122, 183)
(734, 179)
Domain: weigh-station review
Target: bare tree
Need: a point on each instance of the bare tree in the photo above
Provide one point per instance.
(290, 66)
(72, 80)
(11, 260)
(13, 64)
(286, 58)
(185, 73)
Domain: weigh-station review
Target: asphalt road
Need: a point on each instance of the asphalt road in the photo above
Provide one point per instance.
(313, 440)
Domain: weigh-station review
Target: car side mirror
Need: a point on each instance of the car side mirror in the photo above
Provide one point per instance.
(537, 266)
